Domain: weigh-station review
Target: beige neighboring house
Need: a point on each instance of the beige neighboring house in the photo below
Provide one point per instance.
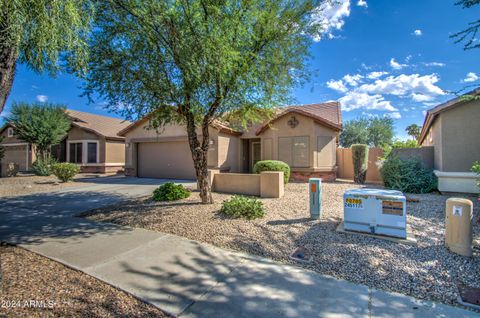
(304, 136)
(92, 142)
(453, 129)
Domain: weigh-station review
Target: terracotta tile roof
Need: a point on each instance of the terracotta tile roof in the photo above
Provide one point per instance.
(328, 113)
(102, 125)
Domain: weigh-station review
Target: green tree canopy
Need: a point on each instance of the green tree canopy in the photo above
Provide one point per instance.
(43, 125)
(375, 132)
(192, 61)
(413, 130)
(41, 34)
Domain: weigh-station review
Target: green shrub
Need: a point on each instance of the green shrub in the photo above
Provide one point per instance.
(273, 165)
(360, 162)
(43, 167)
(242, 206)
(476, 170)
(170, 192)
(65, 171)
(407, 175)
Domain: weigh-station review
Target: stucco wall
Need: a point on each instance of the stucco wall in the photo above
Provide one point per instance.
(460, 137)
(326, 160)
(115, 152)
(434, 139)
(228, 152)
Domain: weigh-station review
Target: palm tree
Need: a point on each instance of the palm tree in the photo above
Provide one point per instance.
(414, 131)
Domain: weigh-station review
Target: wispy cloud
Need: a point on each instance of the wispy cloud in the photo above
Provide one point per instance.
(362, 3)
(331, 17)
(375, 75)
(471, 77)
(42, 98)
(357, 100)
(396, 65)
(439, 64)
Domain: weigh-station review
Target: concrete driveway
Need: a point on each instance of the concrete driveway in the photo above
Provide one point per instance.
(183, 277)
(28, 218)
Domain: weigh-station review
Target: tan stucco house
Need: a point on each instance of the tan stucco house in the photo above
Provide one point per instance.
(92, 142)
(453, 129)
(303, 136)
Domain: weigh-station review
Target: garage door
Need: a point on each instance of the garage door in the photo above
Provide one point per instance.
(170, 160)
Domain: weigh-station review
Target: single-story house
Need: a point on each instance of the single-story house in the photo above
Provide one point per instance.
(453, 130)
(92, 142)
(303, 136)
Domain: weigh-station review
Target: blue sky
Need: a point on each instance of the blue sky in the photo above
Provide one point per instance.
(379, 58)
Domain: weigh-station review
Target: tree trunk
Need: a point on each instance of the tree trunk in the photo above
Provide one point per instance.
(199, 156)
(8, 62)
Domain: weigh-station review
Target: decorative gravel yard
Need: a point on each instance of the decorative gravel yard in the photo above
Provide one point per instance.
(425, 271)
(35, 286)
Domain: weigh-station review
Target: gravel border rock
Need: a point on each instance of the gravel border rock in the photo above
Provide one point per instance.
(426, 271)
(59, 291)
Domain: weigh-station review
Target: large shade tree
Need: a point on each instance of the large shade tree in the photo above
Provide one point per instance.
(192, 61)
(374, 131)
(45, 35)
(43, 125)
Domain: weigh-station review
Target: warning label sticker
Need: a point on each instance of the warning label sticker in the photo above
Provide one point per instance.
(353, 203)
(392, 207)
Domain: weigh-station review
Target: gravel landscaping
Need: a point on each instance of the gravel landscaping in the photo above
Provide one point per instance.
(30, 280)
(426, 271)
(26, 184)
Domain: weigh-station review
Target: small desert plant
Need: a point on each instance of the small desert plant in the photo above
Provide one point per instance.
(170, 192)
(407, 175)
(273, 165)
(242, 206)
(360, 162)
(43, 167)
(476, 170)
(12, 169)
(65, 171)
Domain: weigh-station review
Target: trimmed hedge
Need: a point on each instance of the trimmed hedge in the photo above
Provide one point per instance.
(407, 175)
(242, 206)
(360, 162)
(170, 192)
(273, 165)
(65, 171)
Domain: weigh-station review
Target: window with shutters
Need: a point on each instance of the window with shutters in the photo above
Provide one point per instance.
(325, 151)
(294, 151)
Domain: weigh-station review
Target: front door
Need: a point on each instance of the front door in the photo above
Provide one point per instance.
(256, 153)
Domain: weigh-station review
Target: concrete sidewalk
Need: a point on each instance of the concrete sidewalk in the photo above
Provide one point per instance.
(187, 278)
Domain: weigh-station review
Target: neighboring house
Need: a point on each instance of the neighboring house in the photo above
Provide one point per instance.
(453, 130)
(305, 137)
(92, 142)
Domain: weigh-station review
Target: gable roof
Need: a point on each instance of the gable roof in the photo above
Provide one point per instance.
(328, 114)
(437, 110)
(108, 127)
(216, 124)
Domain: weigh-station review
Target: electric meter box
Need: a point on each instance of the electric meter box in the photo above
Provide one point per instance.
(375, 211)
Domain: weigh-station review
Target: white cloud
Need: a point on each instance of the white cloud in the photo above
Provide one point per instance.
(424, 112)
(403, 85)
(471, 77)
(439, 64)
(42, 98)
(362, 3)
(395, 65)
(337, 85)
(417, 32)
(395, 115)
(422, 97)
(352, 80)
(331, 17)
(375, 75)
(356, 100)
